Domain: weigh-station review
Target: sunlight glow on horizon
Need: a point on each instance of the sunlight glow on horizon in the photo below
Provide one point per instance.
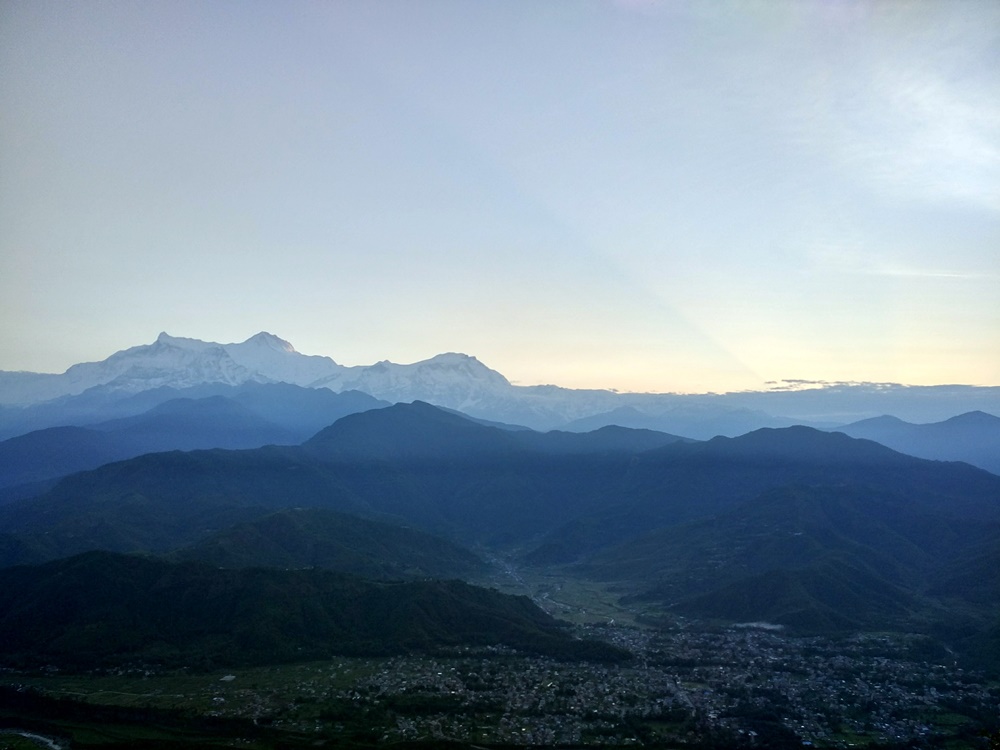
(646, 196)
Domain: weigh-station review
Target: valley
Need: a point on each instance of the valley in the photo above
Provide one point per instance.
(688, 684)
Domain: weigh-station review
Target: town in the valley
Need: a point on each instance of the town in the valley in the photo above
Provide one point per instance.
(749, 685)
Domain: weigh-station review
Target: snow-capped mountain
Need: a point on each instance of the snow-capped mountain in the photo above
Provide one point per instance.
(176, 362)
(453, 380)
(275, 359)
(457, 381)
(460, 381)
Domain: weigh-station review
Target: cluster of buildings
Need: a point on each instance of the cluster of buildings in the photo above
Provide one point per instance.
(751, 685)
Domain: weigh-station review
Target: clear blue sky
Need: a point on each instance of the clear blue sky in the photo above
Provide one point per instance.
(640, 195)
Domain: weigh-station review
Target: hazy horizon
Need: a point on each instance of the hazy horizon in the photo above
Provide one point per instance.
(636, 195)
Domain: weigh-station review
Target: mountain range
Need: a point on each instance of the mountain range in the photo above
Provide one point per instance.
(245, 416)
(811, 530)
(973, 437)
(90, 391)
(252, 456)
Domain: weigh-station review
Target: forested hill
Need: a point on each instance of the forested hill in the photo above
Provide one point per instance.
(101, 608)
(438, 472)
(318, 538)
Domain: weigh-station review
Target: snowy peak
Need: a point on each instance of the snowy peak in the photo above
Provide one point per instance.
(455, 381)
(463, 364)
(168, 361)
(165, 340)
(269, 341)
(275, 359)
(178, 363)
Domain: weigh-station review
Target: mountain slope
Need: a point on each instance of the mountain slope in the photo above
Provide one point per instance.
(812, 558)
(609, 439)
(314, 538)
(55, 452)
(698, 421)
(686, 481)
(458, 479)
(179, 424)
(973, 437)
(419, 431)
(301, 411)
(411, 462)
(410, 432)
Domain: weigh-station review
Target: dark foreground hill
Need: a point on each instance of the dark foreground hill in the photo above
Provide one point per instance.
(101, 608)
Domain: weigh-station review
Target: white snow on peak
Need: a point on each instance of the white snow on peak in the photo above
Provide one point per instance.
(177, 362)
(276, 359)
(271, 341)
(168, 361)
(165, 339)
(454, 380)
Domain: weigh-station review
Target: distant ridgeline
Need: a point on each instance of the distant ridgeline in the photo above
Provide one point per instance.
(132, 381)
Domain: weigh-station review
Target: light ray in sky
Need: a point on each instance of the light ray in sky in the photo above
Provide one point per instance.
(641, 195)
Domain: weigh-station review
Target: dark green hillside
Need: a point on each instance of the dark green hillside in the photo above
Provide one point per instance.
(315, 538)
(162, 501)
(15, 550)
(827, 558)
(792, 526)
(101, 608)
(476, 484)
(827, 596)
(159, 502)
(975, 576)
(687, 481)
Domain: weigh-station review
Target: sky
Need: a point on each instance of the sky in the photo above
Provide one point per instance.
(640, 195)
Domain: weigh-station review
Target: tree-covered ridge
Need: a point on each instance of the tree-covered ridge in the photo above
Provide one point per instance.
(814, 530)
(100, 609)
(317, 538)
